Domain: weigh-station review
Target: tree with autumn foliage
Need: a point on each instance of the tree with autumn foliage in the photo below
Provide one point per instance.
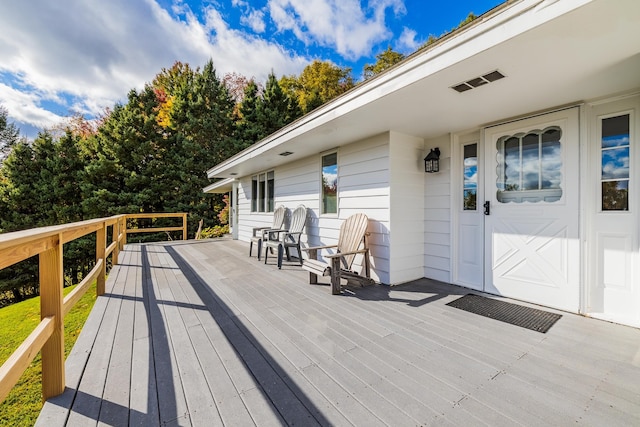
(319, 82)
(384, 61)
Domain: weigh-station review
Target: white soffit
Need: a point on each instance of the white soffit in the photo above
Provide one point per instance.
(551, 52)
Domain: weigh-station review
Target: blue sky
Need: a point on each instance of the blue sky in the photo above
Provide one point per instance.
(66, 56)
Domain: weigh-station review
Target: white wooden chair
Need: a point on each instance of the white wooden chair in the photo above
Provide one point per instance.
(352, 241)
(262, 234)
(288, 238)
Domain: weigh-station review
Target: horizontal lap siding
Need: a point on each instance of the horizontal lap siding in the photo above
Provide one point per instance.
(407, 208)
(295, 183)
(437, 212)
(363, 186)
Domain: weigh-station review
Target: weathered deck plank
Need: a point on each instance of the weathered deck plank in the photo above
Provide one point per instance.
(196, 333)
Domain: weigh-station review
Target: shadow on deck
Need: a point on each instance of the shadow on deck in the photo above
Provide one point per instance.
(196, 333)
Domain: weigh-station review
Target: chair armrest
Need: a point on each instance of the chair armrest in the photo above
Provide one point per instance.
(256, 229)
(267, 232)
(340, 254)
(315, 248)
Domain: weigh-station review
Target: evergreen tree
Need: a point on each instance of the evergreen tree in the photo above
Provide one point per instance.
(9, 134)
(249, 130)
(273, 111)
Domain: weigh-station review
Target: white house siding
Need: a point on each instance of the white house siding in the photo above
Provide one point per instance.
(363, 186)
(407, 208)
(437, 214)
(295, 183)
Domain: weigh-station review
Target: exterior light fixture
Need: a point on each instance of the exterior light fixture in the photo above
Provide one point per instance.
(432, 161)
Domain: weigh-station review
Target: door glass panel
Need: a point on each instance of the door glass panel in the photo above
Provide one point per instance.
(511, 165)
(551, 160)
(615, 170)
(530, 167)
(470, 178)
(530, 162)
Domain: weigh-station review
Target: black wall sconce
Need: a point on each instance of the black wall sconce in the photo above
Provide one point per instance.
(432, 161)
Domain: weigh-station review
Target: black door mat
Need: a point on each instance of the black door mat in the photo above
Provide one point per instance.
(525, 317)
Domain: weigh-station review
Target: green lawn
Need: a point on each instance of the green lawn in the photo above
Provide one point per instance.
(22, 406)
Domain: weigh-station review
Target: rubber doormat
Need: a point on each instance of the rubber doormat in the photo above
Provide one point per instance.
(525, 317)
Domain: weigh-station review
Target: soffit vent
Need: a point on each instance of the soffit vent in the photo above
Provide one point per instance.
(286, 153)
(478, 81)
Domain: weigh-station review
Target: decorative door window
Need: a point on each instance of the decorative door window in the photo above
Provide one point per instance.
(615, 145)
(530, 167)
(470, 177)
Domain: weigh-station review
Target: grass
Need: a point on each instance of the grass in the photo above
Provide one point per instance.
(22, 406)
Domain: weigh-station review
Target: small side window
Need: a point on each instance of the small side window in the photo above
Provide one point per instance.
(470, 177)
(329, 184)
(615, 146)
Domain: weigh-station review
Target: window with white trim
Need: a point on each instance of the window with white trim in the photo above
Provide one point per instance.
(329, 193)
(262, 192)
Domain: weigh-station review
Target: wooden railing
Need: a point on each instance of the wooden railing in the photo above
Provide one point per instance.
(47, 243)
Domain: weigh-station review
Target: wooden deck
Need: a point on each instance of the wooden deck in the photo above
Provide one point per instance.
(197, 333)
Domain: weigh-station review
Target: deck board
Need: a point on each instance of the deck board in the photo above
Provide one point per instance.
(197, 333)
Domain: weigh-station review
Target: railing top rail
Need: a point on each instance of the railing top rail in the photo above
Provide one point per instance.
(22, 237)
(156, 215)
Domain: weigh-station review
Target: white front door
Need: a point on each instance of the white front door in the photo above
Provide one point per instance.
(531, 229)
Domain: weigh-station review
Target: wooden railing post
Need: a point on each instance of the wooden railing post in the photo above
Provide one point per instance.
(124, 230)
(101, 244)
(51, 305)
(115, 232)
(184, 226)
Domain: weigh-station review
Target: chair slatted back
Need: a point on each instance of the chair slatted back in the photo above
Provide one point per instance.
(278, 217)
(298, 221)
(352, 234)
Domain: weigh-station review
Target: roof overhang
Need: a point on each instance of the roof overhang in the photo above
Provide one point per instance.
(220, 187)
(552, 53)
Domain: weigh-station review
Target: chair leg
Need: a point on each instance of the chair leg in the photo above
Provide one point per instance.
(259, 248)
(299, 254)
(250, 248)
(335, 276)
(288, 255)
(266, 254)
(280, 250)
(313, 278)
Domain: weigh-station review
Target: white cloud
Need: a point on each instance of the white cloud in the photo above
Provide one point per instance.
(24, 107)
(407, 40)
(254, 20)
(340, 24)
(88, 55)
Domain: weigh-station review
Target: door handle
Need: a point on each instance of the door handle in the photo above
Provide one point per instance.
(487, 207)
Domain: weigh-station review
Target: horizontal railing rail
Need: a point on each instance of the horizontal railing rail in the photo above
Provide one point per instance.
(47, 243)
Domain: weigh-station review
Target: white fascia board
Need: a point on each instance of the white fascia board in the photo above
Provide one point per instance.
(499, 25)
